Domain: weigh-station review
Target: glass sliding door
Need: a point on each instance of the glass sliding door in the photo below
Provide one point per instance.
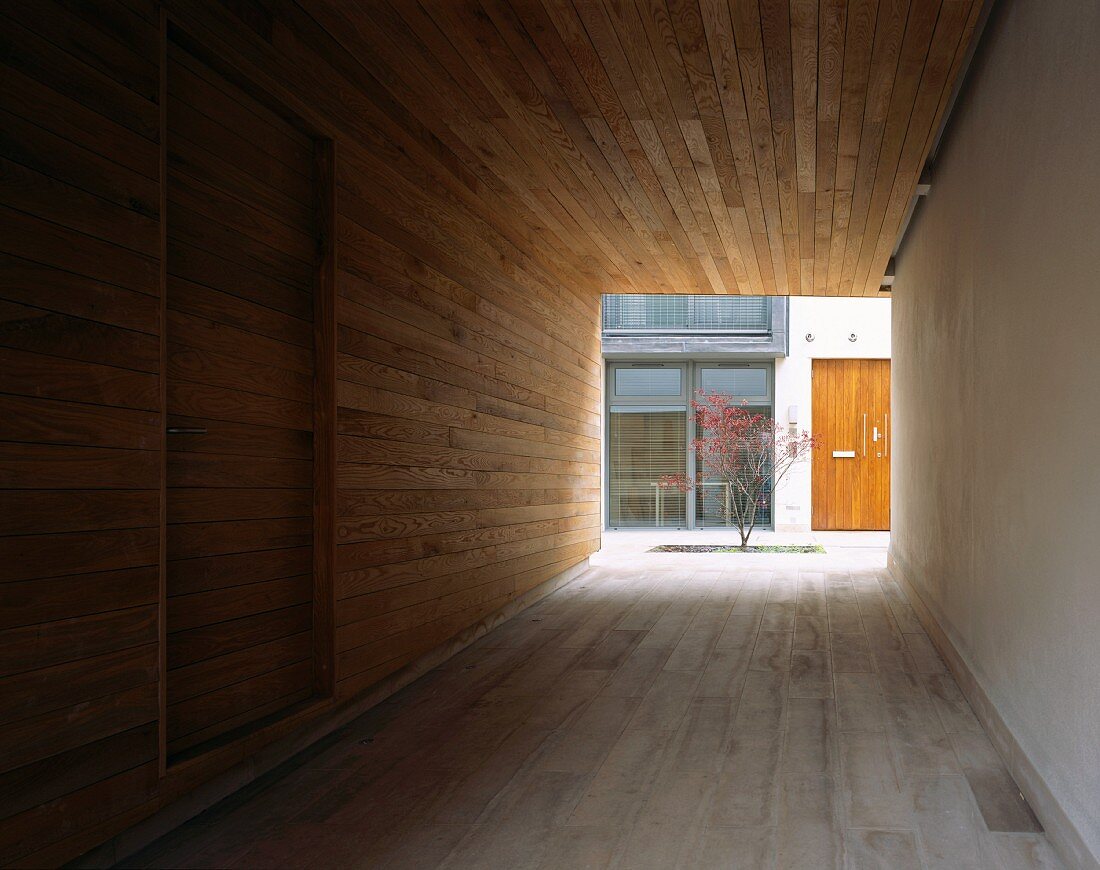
(749, 383)
(649, 432)
(646, 444)
(647, 439)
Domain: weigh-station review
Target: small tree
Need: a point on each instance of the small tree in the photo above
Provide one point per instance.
(748, 452)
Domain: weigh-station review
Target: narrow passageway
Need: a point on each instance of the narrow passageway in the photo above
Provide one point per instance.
(662, 710)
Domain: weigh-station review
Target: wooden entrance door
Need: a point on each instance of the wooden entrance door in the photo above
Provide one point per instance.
(851, 467)
(241, 265)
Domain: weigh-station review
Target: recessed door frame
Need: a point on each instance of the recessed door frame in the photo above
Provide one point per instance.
(323, 381)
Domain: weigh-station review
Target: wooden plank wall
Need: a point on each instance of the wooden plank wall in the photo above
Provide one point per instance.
(468, 394)
(82, 430)
(242, 248)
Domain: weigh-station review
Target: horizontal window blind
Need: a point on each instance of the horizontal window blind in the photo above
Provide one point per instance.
(649, 381)
(747, 382)
(642, 447)
(625, 312)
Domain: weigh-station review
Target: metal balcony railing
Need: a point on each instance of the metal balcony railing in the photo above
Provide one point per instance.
(633, 314)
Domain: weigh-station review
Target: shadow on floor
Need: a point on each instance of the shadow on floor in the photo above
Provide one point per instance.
(660, 711)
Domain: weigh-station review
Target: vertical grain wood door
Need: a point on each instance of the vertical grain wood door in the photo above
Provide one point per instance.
(851, 466)
(241, 244)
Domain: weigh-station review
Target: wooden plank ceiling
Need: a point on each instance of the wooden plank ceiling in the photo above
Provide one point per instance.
(682, 146)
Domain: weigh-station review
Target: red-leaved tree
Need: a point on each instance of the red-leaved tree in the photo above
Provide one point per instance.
(747, 452)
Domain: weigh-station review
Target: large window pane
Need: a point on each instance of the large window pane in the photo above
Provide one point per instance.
(643, 446)
(712, 497)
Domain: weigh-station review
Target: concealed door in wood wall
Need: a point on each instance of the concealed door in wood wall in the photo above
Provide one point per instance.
(240, 400)
(851, 467)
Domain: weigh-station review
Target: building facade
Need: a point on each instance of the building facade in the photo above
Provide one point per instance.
(660, 351)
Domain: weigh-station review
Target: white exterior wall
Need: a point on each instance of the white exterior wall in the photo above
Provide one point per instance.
(996, 496)
(831, 321)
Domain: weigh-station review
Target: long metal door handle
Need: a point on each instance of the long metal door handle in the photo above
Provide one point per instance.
(184, 430)
(886, 436)
(864, 436)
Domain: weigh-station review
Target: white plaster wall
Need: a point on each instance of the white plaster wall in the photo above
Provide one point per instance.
(996, 484)
(830, 321)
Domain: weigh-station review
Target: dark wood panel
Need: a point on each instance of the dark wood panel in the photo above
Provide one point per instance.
(43, 690)
(354, 422)
(217, 572)
(41, 240)
(49, 643)
(217, 370)
(48, 108)
(214, 471)
(189, 159)
(38, 190)
(45, 287)
(50, 466)
(239, 116)
(38, 737)
(30, 512)
(199, 609)
(352, 502)
(25, 557)
(236, 406)
(196, 332)
(48, 332)
(58, 828)
(252, 222)
(31, 374)
(39, 783)
(194, 645)
(49, 421)
(27, 51)
(191, 540)
(468, 334)
(29, 602)
(227, 704)
(258, 714)
(206, 229)
(214, 673)
(223, 438)
(231, 310)
(130, 66)
(205, 506)
(243, 372)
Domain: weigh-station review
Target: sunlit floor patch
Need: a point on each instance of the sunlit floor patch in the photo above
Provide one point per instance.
(727, 548)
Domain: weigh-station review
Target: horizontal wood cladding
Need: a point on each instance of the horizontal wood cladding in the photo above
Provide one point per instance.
(467, 390)
(81, 433)
(241, 250)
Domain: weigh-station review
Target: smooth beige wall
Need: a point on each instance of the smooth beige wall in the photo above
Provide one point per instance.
(996, 341)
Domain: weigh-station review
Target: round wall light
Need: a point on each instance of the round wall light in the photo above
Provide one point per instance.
(809, 336)
(852, 337)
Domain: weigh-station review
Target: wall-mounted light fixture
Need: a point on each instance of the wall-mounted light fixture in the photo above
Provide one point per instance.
(853, 337)
(809, 336)
(792, 415)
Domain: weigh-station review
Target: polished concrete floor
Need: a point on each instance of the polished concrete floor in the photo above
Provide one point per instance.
(661, 711)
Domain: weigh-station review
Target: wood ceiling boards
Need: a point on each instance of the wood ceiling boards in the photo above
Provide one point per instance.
(683, 146)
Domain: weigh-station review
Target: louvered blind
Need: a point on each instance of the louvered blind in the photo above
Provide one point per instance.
(649, 381)
(748, 382)
(624, 312)
(643, 446)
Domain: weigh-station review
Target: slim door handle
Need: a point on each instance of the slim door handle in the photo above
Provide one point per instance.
(184, 430)
(886, 436)
(864, 436)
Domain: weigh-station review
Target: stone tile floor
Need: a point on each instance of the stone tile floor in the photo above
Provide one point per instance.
(663, 710)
